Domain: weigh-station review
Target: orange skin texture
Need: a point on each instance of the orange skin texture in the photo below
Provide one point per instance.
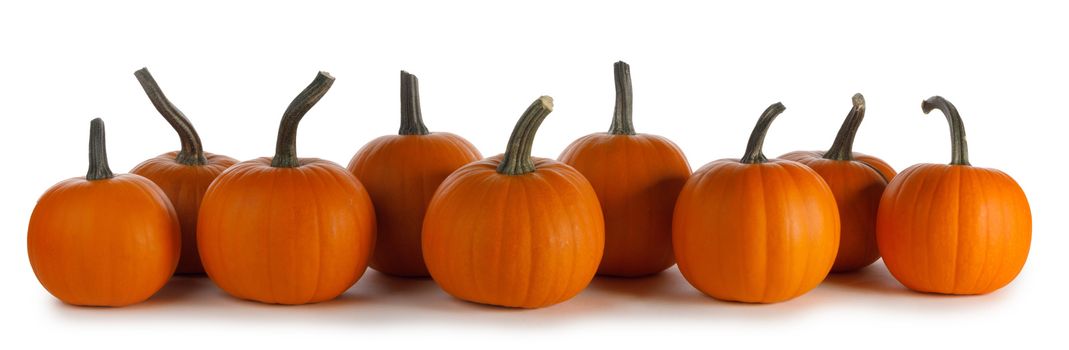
(954, 229)
(637, 179)
(185, 186)
(858, 187)
(755, 233)
(401, 173)
(286, 235)
(109, 242)
(523, 241)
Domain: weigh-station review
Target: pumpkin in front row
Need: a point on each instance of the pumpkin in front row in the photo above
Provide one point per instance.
(953, 229)
(754, 229)
(857, 181)
(513, 230)
(103, 239)
(287, 230)
(184, 175)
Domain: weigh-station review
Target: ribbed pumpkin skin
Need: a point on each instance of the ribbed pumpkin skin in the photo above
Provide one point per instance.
(757, 233)
(401, 173)
(185, 186)
(637, 179)
(857, 187)
(109, 242)
(525, 241)
(954, 229)
(286, 235)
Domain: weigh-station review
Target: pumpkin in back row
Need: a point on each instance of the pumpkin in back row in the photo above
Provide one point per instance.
(401, 173)
(637, 178)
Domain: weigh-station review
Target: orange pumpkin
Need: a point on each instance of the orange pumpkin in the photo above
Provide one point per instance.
(953, 229)
(183, 175)
(857, 181)
(401, 173)
(287, 230)
(513, 230)
(103, 239)
(637, 178)
(754, 229)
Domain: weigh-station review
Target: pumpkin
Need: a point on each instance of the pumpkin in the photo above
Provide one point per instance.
(637, 178)
(286, 230)
(401, 173)
(103, 239)
(953, 229)
(755, 230)
(857, 181)
(183, 175)
(513, 230)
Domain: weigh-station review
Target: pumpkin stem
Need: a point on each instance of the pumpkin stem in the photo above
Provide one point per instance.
(843, 147)
(621, 116)
(411, 115)
(98, 153)
(754, 153)
(192, 152)
(286, 147)
(517, 160)
(959, 148)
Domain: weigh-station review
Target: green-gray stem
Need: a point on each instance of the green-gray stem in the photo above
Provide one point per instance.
(754, 153)
(621, 116)
(843, 147)
(959, 148)
(192, 152)
(517, 159)
(98, 153)
(286, 147)
(411, 115)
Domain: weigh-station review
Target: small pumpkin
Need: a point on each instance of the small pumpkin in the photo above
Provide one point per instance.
(857, 181)
(953, 229)
(401, 173)
(183, 175)
(755, 230)
(513, 230)
(287, 230)
(637, 178)
(103, 239)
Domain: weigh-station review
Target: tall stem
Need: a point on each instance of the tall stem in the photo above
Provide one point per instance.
(959, 148)
(98, 153)
(754, 153)
(286, 147)
(843, 147)
(517, 160)
(621, 116)
(411, 115)
(192, 152)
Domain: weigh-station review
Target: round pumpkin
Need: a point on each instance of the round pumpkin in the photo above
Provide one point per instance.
(103, 239)
(183, 175)
(755, 230)
(401, 173)
(857, 184)
(953, 229)
(287, 230)
(513, 230)
(637, 178)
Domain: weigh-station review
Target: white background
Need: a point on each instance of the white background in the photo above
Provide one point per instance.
(702, 74)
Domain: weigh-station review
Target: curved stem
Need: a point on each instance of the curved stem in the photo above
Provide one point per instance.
(959, 148)
(843, 147)
(286, 146)
(517, 160)
(411, 115)
(98, 153)
(621, 116)
(754, 153)
(192, 152)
